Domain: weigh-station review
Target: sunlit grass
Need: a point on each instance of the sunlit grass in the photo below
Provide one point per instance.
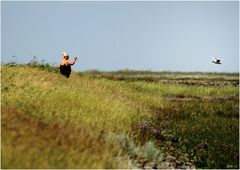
(28, 143)
(80, 102)
(105, 115)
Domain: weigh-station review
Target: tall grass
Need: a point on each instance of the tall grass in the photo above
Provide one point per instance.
(92, 120)
(81, 102)
(30, 143)
(193, 115)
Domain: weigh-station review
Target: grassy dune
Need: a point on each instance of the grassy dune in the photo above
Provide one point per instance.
(98, 120)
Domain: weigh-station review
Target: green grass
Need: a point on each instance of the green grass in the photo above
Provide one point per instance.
(98, 120)
(29, 143)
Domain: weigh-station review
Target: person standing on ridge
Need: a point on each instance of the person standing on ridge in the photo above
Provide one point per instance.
(65, 65)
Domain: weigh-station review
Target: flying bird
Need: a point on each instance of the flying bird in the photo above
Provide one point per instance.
(216, 61)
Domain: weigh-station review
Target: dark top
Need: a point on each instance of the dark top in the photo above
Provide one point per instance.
(65, 70)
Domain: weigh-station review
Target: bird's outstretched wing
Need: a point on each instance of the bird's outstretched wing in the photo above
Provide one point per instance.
(216, 61)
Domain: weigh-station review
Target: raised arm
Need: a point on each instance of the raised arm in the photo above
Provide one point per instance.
(72, 62)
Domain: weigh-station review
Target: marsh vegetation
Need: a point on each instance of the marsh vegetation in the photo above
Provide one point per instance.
(123, 119)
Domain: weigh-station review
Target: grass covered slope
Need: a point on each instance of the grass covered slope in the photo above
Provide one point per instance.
(50, 98)
(95, 121)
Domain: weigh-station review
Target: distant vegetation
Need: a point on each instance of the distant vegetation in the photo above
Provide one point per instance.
(123, 119)
(188, 78)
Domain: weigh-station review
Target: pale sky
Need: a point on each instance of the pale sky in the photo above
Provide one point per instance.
(108, 35)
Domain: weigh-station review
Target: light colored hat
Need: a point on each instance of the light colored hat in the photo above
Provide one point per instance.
(64, 54)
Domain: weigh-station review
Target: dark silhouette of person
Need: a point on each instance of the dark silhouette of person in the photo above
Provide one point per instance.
(65, 65)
